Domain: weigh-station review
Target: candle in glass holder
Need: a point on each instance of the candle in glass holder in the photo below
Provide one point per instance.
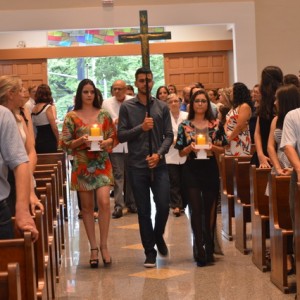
(201, 140)
(95, 130)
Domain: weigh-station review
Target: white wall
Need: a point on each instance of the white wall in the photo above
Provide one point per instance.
(185, 33)
(278, 34)
(240, 15)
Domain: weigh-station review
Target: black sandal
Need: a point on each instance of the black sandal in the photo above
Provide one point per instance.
(94, 262)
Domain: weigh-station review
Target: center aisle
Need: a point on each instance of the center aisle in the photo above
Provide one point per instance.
(233, 276)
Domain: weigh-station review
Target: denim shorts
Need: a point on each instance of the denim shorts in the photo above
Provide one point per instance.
(6, 225)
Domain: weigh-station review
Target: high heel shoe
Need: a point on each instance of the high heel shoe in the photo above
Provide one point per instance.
(105, 262)
(94, 262)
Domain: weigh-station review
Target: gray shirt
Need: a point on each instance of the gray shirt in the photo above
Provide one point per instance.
(131, 117)
(12, 150)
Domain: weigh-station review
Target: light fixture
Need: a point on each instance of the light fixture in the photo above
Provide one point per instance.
(107, 3)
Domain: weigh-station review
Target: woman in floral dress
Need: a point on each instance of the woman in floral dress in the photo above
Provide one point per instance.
(92, 170)
(237, 122)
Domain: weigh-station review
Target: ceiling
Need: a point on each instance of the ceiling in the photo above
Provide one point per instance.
(55, 4)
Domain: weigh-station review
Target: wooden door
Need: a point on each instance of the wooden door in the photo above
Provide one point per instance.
(32, 71)
(209, 68)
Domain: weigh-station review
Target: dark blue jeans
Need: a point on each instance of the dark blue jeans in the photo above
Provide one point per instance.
(141, 183)
(6, 227)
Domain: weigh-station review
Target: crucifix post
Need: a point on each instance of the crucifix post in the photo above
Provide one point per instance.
(144, 37)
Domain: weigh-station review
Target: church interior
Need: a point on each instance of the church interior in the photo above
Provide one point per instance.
(245, 36)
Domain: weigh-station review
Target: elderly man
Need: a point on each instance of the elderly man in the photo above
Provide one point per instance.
(119, 155)
(13, 155)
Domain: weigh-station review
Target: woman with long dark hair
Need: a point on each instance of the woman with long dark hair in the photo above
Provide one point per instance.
(91, 170)
(271, 80)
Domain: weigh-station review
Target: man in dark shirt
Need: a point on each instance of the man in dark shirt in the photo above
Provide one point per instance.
(148, 172)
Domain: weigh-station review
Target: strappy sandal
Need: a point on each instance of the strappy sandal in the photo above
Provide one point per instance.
(94, 262)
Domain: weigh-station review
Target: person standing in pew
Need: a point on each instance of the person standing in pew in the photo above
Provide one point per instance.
(13, 155)
(287, 98)
(91, 170)
(290, 144)
(44, 120)
(201, 175)
(15, 102)
(237, 121)
(271, 80)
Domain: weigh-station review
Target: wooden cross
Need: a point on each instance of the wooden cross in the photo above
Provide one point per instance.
(144, 36)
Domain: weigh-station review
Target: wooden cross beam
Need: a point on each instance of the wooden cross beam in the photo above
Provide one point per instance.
(144, 36)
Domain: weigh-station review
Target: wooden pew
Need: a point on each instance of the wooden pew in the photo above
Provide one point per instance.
(51, 263)
(44, 171)
(53, 158)
(259, 216)
(281, 232)
(39, 255)
(21, 251)
(48, 244)
(42, 177)
(47, 186)
(297, 237)
(227, 197)
(242, 207)
(10, 283)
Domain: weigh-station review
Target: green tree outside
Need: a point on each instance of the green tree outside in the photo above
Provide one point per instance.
(64, 75)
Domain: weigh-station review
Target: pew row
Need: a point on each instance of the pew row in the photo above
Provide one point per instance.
(10, 283)
(281, 232)
(259, 216)
(53, 158)
(242, 207)
(21, 251)
(227, 195)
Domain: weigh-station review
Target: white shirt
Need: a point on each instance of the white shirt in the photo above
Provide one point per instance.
(30, 104)
(112, 105)
(172, 157)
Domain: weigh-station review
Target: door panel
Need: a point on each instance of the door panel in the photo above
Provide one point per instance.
(209, 68)
(32, 72)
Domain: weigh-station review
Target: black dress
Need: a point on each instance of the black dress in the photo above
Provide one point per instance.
(201, 181)
(45, 141)
(264, 125)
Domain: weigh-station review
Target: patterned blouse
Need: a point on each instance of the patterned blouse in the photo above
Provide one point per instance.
(187, 133)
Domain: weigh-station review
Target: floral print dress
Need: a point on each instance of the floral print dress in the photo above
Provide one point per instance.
(91, 169)
(241, 144)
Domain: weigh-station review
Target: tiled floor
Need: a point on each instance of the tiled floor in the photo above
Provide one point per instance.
(233, 276)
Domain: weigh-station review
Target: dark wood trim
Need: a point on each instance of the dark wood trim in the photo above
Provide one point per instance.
(114, 50)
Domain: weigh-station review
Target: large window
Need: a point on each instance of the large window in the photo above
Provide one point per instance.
(65, 74)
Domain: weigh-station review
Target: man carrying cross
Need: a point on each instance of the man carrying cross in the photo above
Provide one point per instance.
(148, 171)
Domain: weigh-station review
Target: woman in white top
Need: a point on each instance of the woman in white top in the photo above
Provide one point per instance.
(43, 118)
(173, 159)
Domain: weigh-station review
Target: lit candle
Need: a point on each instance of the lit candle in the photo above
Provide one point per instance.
(95, 130)
(201, 140)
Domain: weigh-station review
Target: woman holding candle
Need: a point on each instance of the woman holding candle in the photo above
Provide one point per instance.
(91, 170)
(201, 176)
